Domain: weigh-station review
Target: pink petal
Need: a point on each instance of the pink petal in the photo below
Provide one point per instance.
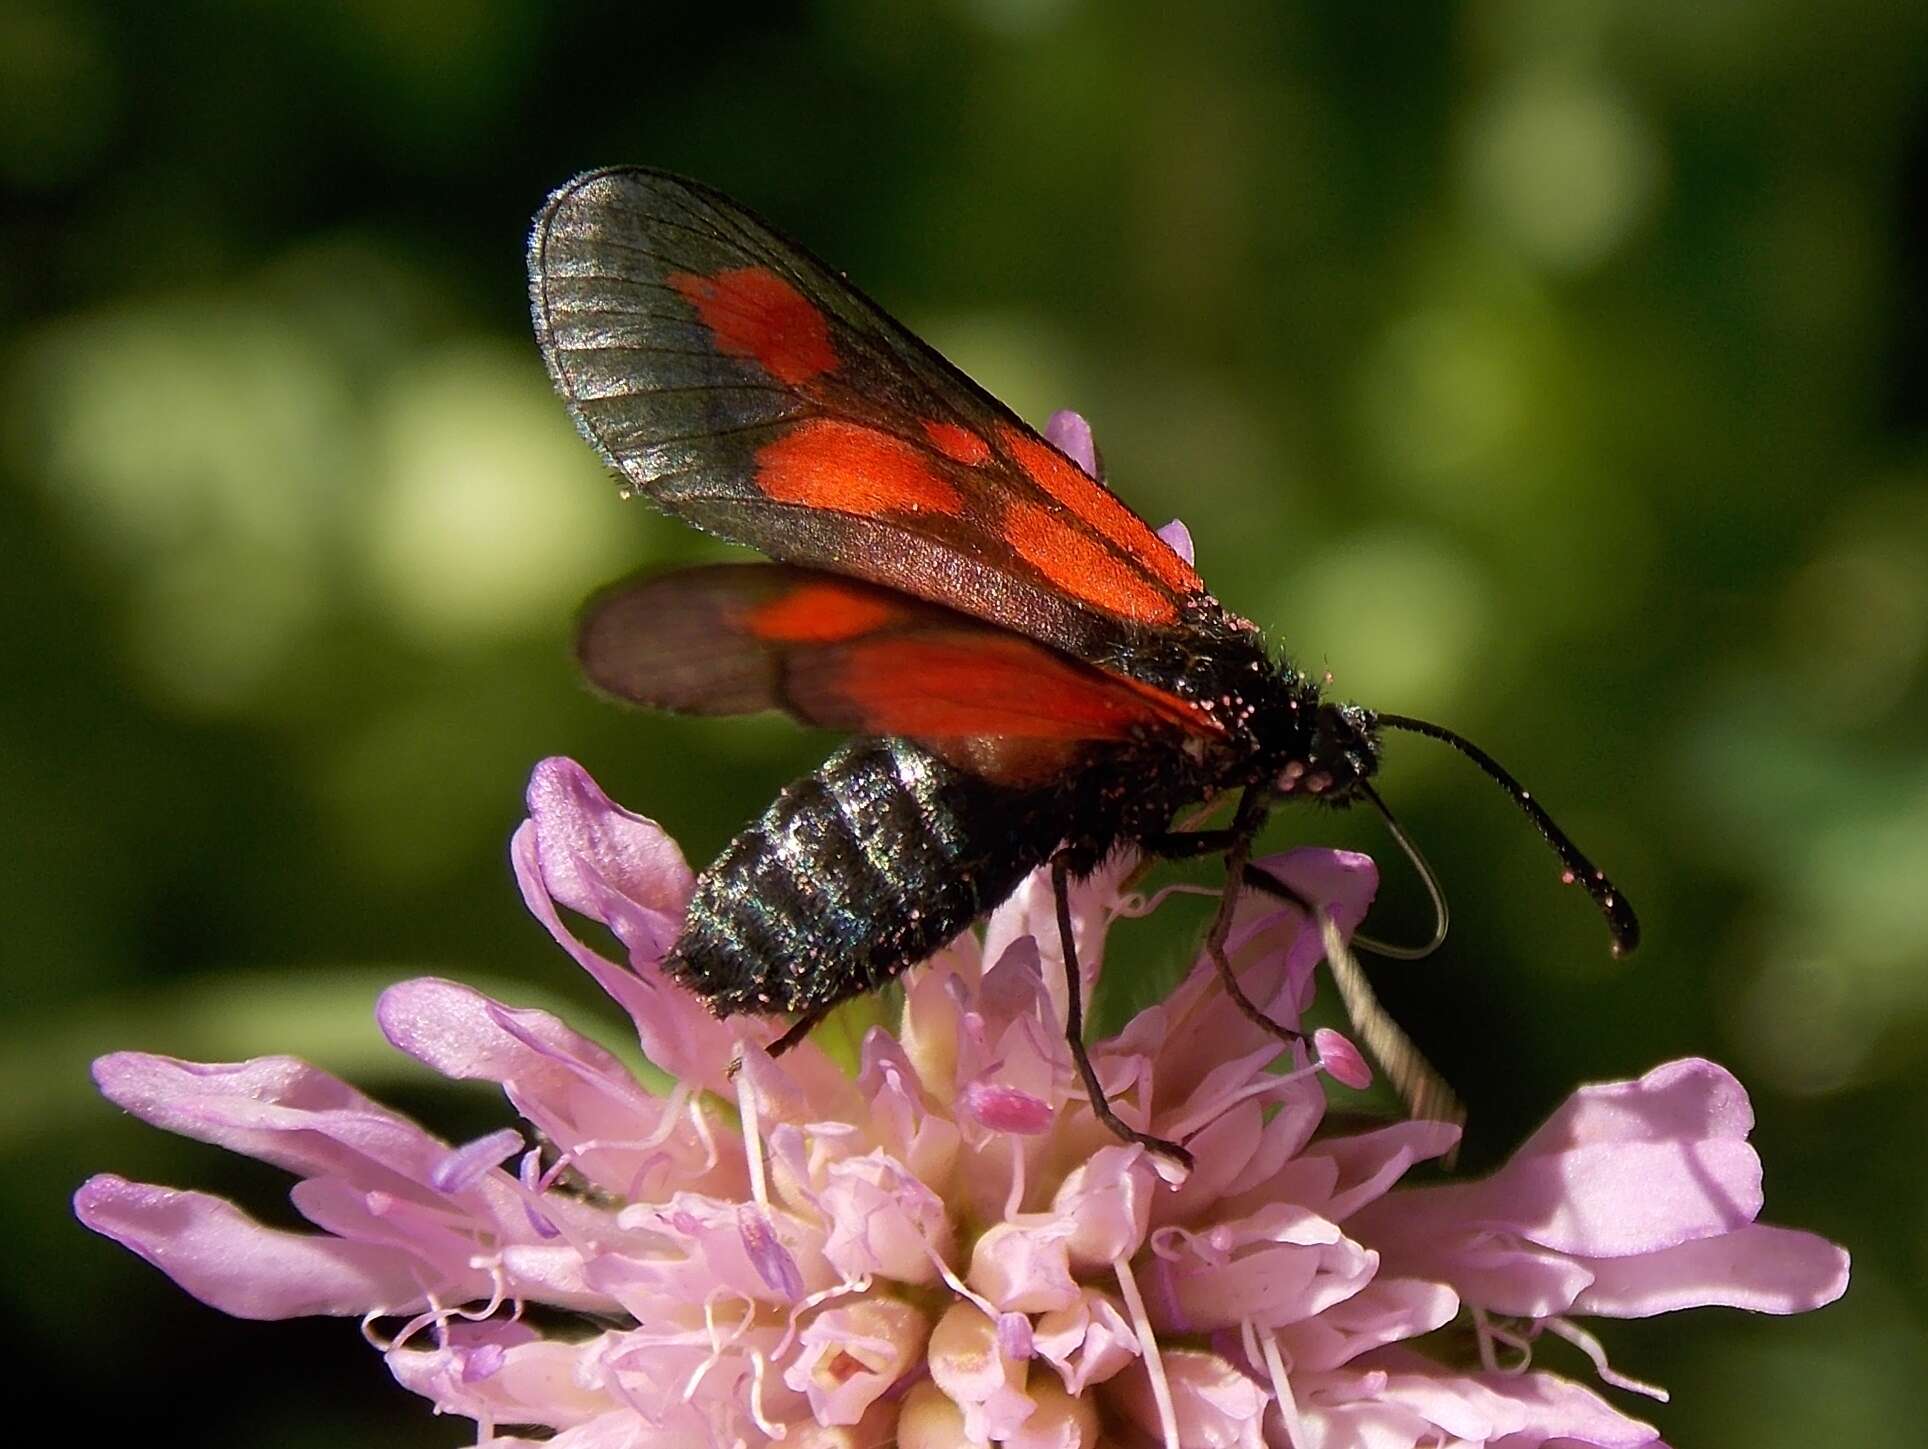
(442, 1242)
(286, 1112)
(230, 1262)
(1760, 1268)
(1604, 1208)
(1682, 1101)
(1519, 1410)
(1633, 1198)
(805, 1086)
(1222, 1151)
(1105, 1205)
(850, 1356)
(501, 1371)
(1280, 1265)
(1198, 1028)
(554, 1273)
(1273, 1286)
(937, 1047)
(588, 844)
(902, 1119)
(465, 1035)
(1503, 1275)
(1622, 1168)
(882, 1220)
(676, 1030)
(1031, 910)
(1369, 1163)
(572, 1089)
(1276, 1286)
(705, 1243)
(1215, 1406)
(583, 851)
(1087, 1342)
(1178, 539)
(1279, 1141)
(1386, 1310)
(1070, 434)
(966, 1363)
(483, 1363)
(1026, 1268)
(1419, 1403)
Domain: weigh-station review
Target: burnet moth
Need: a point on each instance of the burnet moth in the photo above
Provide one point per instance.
(1033, 676)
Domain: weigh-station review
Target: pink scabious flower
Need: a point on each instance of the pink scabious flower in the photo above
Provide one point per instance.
(944, 1247)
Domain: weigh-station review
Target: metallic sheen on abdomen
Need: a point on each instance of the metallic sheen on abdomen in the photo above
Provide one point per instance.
(856, 871)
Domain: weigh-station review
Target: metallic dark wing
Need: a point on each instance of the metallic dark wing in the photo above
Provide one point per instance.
(747, 388)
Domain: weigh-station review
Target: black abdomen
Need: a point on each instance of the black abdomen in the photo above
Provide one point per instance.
(855, 872)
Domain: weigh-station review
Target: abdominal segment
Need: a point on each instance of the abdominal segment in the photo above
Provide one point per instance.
(858, 870)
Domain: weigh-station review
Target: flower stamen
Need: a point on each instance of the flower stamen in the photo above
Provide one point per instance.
(1265, 1348)
(1014, 1199)
(1487, 1333)
(859, 1284)
(1209, 1113)
(1136, 906)
(704, 1134)
(1592, 1347)
(1161, 1389)
(717, 1345)
(759, 1366)
(957, 1285)
(746, 1106)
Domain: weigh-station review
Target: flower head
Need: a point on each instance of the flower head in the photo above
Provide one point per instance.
(945, 1247)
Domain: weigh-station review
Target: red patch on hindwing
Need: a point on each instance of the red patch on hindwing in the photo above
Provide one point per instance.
(848, 468)
(948, 687)
(822, 613)
(1094, 505)
(958, 443)
(754, 313)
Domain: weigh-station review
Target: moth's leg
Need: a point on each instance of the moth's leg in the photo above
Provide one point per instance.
(1184, 844)
(797, 1031)
(1266, 883)
(1244, 826)
(1074, 1027)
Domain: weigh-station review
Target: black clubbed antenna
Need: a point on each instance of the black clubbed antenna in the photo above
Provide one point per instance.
(1622, 925)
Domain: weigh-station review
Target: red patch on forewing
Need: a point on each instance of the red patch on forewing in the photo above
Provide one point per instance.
(1083, 568)
(1094, 503)
(822, 613)
(953, 686)
(827, 463)
(958, 443)
(754, 313)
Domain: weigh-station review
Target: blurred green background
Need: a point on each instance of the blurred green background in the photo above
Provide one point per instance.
(1556, 370)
